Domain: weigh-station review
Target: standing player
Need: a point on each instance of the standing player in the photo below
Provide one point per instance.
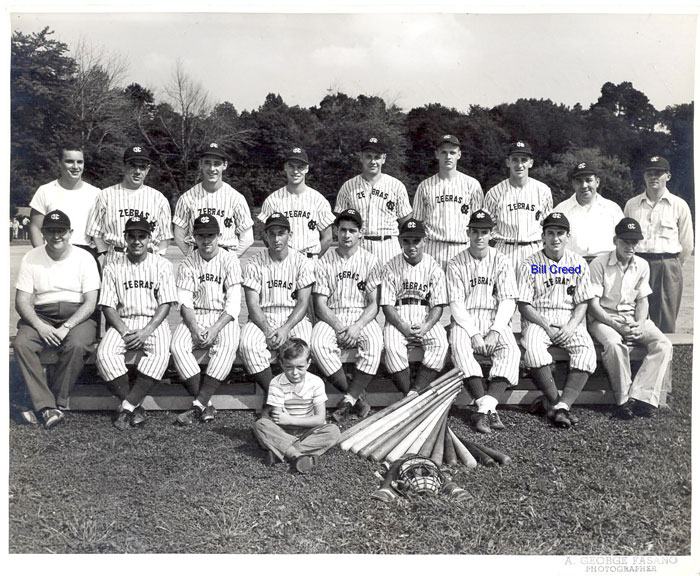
(130, 198)
(413, 295)
(381, 200)
(345, 301)
(214, 197)
(482, 289)
(277, 284)
(554, 289)
(445, 202)
(668, 241)
(308, 212)
(518, 205)
(137, 290)
(209, 293)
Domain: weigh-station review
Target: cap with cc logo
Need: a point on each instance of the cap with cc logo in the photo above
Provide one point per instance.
(481, 219)
(134, 152)
(447, 139)
(412, 227)
(56, 220)
(556, 219)
(520, 147)
(297, 153)
(629, 229)
(206, 225)
(214, 149)
(349, 214)
(584, 168)
(137, 223)
(373, 144)
(277, 219)
(658, 163)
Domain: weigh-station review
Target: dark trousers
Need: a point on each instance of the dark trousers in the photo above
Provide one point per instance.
(28, 346)
(666, 281)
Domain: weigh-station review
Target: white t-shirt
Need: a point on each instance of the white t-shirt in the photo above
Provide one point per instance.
(75, 203)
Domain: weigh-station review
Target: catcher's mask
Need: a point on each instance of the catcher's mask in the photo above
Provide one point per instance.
(419, 475)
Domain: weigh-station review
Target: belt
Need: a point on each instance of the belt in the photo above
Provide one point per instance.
(650, 256)
(516, 243)
(118, 249)
(310, 255)
(376, 238)
(410, 301)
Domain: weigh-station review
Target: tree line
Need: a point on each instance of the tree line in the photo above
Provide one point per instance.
(79, 96)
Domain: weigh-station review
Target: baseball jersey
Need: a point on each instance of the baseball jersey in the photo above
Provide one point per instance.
(380, 204)
(518, 212)
(277, 282)
(424, 282)
(297, 399)
(116, 204)
(76, 203)
(592, 226)
(345, 281)
(540, 285)
(137, 289)
(308, 213)
(619, 287)
(226, 204)
(446, 204)
(210, 281)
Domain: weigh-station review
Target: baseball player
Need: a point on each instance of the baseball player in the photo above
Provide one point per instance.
(518, 205)
(307, 211)
(214, 197)
(592, 217)
(130, 198)
(345, 301)
(413, 295)
(619, 312)
(554, 288)
(445, 202)
(482, 290)
(137, 290)
(668, 241)
(209, 294)
(381, 200)
(277, 285)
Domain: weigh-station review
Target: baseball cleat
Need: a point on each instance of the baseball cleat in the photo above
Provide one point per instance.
(138, 416)
(573, 418)
(208, 414)
(270, 459)
(304, 463)
(625, 411)
(361, 407)
(644, 410)
(121, 422)
(540, 405)
(384, 494)
(187, 418)
(480, 423)
(342, 411)
(560, 418)
(52, 417)
(411, 393)
(28, 417)
(495, 421)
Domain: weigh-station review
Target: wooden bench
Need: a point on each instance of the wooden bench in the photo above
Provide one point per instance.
(239, 393)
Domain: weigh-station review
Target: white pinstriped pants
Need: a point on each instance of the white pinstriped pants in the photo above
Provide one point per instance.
(384, 250)
(443, 252)
(505, 358)
(222, 352)
(518, 254)
(154, 362)
(324, 344)
(434, 342)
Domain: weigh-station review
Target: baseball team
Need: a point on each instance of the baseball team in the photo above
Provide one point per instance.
(580, 271)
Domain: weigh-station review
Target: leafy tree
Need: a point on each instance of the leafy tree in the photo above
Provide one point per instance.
(678, 120)
(628, 103)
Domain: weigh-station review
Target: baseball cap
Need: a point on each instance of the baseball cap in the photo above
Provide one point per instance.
(520, 147)
(277, 219)
(133, 152)
(349, 214)
(137, 223)
(56, 219)
(412, 227)
(657, 163)
(629, 229)
(556, 219)
(373, 144)
(584, 168)
(481, 219)
(206, 225)
(213, 149)
(447, 139)
(297, 153)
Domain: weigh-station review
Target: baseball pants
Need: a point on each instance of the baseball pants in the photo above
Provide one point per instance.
(384, 250)
(311, 441)
(434, 343)
(153, 363)
(505, 358)
(516, 252)
(222, 352)
(326, 351)
(28, 346)
(443, 252)
(649, 379)
(666, 282)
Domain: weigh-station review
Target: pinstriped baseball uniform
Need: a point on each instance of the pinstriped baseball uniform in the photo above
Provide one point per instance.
(518, 213)
(480, 285)
(116, 204)
(554, 296)
(308, 213)
(136, 291)
(445, 206)
(226, 204)
(345, 281)
(423, 284)
(277, 284)
(209, 284)
(381, 205)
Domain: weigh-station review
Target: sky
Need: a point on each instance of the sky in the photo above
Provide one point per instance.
(409, 59)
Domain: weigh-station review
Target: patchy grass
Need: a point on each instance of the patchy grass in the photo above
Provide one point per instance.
(606, 487)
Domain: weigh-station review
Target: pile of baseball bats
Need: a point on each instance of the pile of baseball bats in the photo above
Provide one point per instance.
(418, 425)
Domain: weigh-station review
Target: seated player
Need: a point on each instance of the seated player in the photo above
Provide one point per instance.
(482, 290)
(296, 428)
(56, 293)
(554, 288)
(413, 295)
(137, 290)
(277, 284)
(345, 301)
(209, 292)
(619, 312)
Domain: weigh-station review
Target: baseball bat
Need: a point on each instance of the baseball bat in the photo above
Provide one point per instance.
(480, 456)
(420, 441)
(449, 453)
(499, 457)
(427, 448)
(462, 453)
(439, 448)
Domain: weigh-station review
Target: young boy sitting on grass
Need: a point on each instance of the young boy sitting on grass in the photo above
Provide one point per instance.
(295, 429)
